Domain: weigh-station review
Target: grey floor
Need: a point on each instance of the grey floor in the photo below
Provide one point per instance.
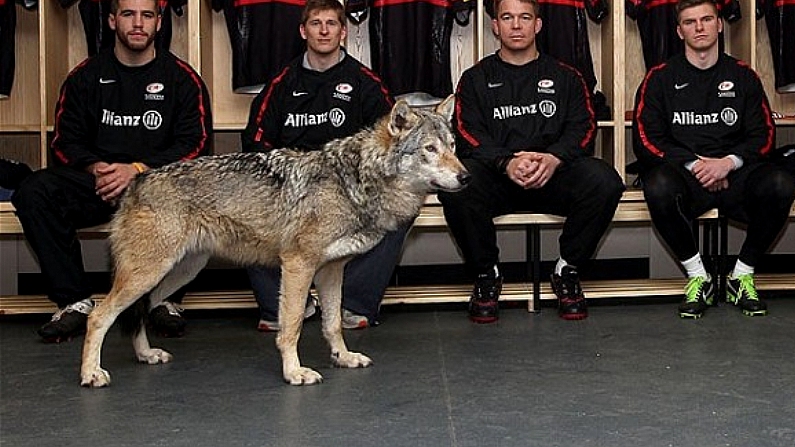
(630, 375)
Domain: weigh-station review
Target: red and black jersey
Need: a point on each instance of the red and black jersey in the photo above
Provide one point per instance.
(410, 42)
(682, 112)
(8, 22)
(303, 108)
(780, 18)
(657, 25)
(541, 106)
(157, 113)
(264, 36)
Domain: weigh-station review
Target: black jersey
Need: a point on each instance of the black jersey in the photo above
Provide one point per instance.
(410, 42)
(657, 25)
(94, 15)
(682, 112)
(8, 21)
(780, 18)
(157, 113)
(304, 108)
(264, 37)
(542, 106)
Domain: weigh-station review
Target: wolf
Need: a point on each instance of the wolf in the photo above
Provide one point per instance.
(309, 212)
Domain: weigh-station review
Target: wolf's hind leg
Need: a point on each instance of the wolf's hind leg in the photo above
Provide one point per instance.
(182, 273)
(129, 284)
(329, 283)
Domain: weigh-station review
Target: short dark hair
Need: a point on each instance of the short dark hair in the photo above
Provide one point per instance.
(681, 5)
(323, 5)
(536, 8)
(114, 6)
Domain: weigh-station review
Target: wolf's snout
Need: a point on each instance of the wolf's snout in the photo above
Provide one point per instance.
(464, 178)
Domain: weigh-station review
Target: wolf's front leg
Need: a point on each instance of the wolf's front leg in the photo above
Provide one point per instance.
(100, 320)
(296, 280)
(329, 283)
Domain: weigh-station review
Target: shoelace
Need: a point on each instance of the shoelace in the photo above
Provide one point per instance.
(693, 289)
(173, 308)
(747, 285)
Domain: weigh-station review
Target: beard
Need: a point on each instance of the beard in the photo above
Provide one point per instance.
(137, 44)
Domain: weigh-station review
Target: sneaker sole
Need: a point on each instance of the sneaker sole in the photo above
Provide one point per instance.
(574, 317)
(56, 340)
(755, 313)
(690, 316)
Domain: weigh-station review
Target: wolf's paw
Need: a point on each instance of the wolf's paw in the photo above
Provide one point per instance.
(95, 379)
(154, 356)
(351, 360)
(303, 376)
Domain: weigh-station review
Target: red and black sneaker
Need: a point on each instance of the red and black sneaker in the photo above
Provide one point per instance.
(483, 306)
(571, 300)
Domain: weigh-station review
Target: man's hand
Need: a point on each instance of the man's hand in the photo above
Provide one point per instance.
(532, 170)
(712, 173)
(112, 179)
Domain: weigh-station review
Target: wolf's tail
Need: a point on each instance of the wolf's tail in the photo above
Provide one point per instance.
(133, 318)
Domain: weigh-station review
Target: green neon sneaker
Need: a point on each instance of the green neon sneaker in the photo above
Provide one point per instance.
(742, 293)
(698, 296)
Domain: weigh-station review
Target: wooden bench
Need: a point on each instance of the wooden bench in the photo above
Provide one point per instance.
(632, 208)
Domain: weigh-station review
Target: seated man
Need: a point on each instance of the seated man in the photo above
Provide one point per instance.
(323, 94)
(119, 113)
(525, 128)
(702, 133)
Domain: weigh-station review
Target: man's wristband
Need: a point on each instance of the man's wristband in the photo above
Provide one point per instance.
(139, 167)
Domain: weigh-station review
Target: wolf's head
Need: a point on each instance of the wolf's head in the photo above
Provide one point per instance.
(425, 146)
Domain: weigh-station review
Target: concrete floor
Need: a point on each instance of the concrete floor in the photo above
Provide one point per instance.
(630, 375)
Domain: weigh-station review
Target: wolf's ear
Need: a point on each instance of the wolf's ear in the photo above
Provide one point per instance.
(400, 117)
(446, 107)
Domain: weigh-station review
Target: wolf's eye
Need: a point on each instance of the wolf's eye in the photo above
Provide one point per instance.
(431, 148)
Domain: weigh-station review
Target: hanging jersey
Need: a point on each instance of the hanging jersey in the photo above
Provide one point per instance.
(8, 22)
(264, 37)
(780, 18)
(94, 15)
(657, 25)
(410, 42)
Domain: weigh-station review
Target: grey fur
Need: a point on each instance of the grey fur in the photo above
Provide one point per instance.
(307, 211)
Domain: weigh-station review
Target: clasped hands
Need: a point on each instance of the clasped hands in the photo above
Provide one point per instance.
(111, 179)
(531, 170)
(713, 173)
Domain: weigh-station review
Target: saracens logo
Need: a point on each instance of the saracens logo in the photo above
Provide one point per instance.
(155, 87)
(728, 116)
(725, 86)
(153, 92)
(344, 87)
(545, 86)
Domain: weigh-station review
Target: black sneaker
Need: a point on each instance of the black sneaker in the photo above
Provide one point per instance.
(483, 306)
(742, 293)
(167, 321)
(68, 322)
(571, 300)
(12, 173)
(699, 294)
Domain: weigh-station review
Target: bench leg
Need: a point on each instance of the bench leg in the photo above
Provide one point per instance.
(533, 253)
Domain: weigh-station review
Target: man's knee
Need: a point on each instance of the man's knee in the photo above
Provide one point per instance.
(32, 194)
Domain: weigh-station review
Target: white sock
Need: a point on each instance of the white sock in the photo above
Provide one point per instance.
(741, 268)
(695, 267)
(559, 266)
